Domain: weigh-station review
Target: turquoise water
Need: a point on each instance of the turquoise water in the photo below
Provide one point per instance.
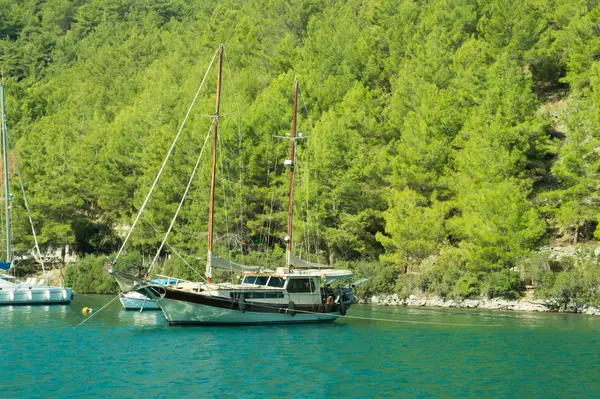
(426, 353)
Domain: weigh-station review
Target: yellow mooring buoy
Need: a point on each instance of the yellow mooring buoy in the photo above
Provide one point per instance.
(87, 310)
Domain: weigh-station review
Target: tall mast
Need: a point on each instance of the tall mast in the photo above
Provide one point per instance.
(288, 253)
(5, 156)
(214, 169)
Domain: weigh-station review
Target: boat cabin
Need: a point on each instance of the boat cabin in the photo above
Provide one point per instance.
(276, 287)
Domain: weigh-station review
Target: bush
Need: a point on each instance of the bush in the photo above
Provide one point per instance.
(407, 284)
(90, 276)
(440, 280)
(569, 287)
(467, 286)
(504, 283)
(382, 277)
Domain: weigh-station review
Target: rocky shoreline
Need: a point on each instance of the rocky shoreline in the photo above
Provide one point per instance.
(521, 305)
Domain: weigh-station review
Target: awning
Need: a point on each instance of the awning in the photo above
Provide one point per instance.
(225, 264)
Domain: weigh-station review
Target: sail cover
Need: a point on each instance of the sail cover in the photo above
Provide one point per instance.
(5, 265)
(303, 264)
(221, 263)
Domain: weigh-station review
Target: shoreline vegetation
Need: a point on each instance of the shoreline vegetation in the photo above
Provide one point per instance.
(451, 148)
(521, 305)
(560, 282)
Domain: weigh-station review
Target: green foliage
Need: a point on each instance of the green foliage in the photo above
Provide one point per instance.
(505, 283)
(90, 275)
(442, 277)
(568, 280)
(456, 130)
(468, 286)
(382, 277)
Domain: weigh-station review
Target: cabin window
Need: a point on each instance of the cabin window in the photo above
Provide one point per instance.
(275, 282)
(249, 280)
(258, 280)
(301, 285)
(270, 295)
(262, 280)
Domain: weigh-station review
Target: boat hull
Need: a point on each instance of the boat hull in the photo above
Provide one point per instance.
(35, 296)
(136, 301)
(190, 308)
(187, 313)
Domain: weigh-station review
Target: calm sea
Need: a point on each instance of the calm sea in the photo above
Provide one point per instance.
(419, 353)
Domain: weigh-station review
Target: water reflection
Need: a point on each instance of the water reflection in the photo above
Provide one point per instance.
(352, 358)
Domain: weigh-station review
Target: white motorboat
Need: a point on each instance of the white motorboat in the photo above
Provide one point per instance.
(135, 301)
(132, 300)
(31, 292)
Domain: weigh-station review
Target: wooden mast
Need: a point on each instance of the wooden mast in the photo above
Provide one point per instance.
(288, 253)
(213, 170)
(6, 190)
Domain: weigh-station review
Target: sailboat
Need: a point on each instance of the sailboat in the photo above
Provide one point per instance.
(299, 292)
(12, 291)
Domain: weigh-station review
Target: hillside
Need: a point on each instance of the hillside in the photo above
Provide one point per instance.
(448, 140)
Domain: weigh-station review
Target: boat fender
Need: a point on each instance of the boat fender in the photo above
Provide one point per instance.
(242, 304)
(292, 308)
(343, 308)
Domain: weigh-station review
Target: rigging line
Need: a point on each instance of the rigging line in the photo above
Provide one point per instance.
(239, 128)
(268, 182)
(312, 127)
(305, 210)
(174, 250)
(37, 247)
(226, 173)
(168, 154)
(187, 189)
(269, 225)
(99, 310)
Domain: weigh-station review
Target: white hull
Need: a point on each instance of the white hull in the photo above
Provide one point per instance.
(136, 301)
(35, 295)
(182, 313)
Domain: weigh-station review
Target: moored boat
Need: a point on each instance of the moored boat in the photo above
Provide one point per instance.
(135, 301)
(12, 291)
(30, 292)
(132, 300)
(260, 298)
(299, 292)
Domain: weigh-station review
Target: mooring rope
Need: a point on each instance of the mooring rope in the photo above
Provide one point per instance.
(98, 311)
(35, 240)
